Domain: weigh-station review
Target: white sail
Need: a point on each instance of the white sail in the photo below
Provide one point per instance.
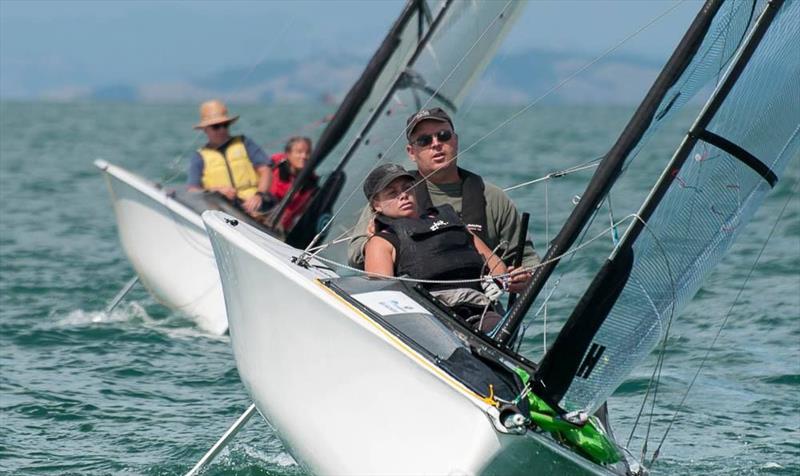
(734, 153)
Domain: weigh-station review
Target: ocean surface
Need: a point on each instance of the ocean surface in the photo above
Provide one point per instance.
(143, 391)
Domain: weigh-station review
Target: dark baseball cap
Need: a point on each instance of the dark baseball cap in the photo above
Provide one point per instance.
(432, 114)
(382, 176)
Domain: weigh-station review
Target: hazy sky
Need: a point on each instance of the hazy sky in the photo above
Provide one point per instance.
(97, 42)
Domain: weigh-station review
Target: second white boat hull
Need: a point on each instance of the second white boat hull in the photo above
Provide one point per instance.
(167, 245)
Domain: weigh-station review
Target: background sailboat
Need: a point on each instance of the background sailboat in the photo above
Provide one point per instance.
(161, 231)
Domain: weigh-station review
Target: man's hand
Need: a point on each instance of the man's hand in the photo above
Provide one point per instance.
(228, 192)
(252, 204)
(518, 279)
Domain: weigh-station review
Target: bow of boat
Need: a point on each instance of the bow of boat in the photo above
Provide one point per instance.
(346, 390)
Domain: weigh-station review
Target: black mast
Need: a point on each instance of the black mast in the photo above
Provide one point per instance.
(362, 89)
(611, 166)
(565, 359)
(347, 111)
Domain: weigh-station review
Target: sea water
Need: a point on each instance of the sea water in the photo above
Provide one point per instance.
(143, 391)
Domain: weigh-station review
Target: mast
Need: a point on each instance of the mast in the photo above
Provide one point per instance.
(611, 166)
(575, 351)
(347, 111)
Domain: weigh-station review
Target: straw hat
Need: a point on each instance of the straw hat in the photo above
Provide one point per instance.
(214, 112)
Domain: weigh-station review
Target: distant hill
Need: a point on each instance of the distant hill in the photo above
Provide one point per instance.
(510, 78)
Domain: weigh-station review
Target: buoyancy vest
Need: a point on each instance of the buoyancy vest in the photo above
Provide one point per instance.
(282, 181)
(436, 246)
(229, 166)
(473, 201)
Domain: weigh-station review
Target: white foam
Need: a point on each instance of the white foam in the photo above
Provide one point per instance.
(126, 312)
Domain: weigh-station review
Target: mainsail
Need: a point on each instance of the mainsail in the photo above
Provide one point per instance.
(733, 154)
(432, 55)
(704, 51)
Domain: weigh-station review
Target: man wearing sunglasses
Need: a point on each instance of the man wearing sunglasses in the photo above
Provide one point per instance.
(484, 208)
(233, 166)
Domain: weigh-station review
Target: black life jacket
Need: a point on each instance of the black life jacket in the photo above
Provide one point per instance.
(473, 201)
(434, 246)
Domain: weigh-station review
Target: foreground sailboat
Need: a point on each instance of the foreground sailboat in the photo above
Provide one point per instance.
(160, 229)
(364, 376)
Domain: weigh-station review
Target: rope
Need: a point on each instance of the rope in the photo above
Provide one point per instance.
(474, 280)
(725, 320)
(561, 173)
(312, 251)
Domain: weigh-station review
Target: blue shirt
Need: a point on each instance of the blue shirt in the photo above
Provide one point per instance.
(196, 164)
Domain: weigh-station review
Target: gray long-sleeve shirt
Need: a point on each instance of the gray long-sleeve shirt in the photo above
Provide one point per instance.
(502, 220)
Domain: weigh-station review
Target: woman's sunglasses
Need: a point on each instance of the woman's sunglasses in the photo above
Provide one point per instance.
(427, 139)
(217, 127)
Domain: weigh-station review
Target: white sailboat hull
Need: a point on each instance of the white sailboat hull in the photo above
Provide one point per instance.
(167, 245)
(345, 395)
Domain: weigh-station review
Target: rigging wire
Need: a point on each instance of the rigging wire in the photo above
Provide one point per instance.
(504, 123)
(381, 156)
(547, 244)
(655, 378)
(792, 195)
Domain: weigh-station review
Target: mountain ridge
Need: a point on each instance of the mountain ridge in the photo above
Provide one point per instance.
(510, 78)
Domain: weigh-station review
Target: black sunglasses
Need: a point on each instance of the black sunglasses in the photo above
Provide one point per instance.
(217, 127)
(427, 139)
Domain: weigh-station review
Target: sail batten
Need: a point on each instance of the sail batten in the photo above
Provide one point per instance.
(733, 154)
(740, 153)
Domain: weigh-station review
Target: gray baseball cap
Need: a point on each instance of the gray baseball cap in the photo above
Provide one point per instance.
(432, 114)
(381, 176)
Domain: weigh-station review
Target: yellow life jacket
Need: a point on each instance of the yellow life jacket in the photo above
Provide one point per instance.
(232, 169)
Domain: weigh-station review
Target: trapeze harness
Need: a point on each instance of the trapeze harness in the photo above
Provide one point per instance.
(435, 246)
(229, 166)
(282, 181)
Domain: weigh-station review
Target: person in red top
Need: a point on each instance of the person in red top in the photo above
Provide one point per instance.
(285, 168)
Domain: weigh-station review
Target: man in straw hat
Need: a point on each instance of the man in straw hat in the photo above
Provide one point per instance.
(233, 166)
(483, 207)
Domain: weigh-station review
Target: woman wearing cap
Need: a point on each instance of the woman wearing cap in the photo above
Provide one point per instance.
(432, 245)
(235, 167)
